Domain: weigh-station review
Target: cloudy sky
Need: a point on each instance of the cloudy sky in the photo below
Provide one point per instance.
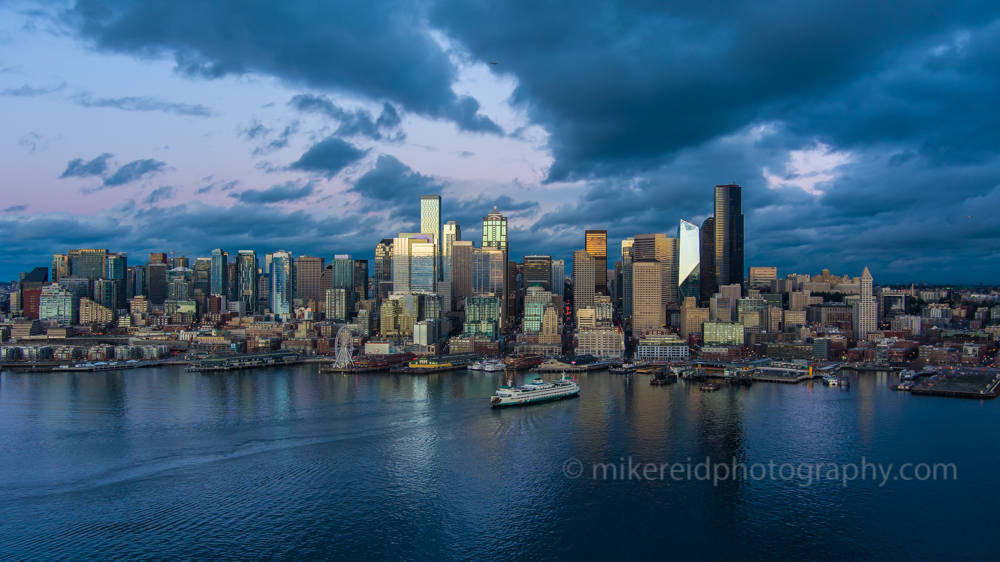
(862, 132)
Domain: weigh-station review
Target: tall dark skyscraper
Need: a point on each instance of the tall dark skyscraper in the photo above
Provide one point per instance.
(219, 278)
(538, 269)
(245, 280)
(115, 269)
(360, 280)
(707, 281)
(728, 235)
(156, 282)
(597, 246)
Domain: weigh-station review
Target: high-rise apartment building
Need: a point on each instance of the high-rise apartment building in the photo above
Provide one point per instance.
(60, 267)
(584, 269)
(728, 235)
(246, 286)
(180, 284)
(58, 305)
(308, 270)
(220, 272)
(116, 269)
(282, 277)
(203, 276)
(648, 310)
(597, 247)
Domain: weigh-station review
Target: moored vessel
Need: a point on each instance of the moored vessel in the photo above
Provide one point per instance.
(494, 365)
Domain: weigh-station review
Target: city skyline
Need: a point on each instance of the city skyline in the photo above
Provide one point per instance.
(675, 235)
(155, 138)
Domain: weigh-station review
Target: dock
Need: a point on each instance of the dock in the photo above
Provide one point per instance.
(426, 370)
(354, 369)
(977, 384)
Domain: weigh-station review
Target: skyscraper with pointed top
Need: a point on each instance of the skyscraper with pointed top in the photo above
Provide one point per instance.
(866, 310)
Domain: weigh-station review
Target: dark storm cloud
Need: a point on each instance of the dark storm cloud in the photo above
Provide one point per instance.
(353, 123)
(328, 157)
(280, 193)
(624, 85)
(79, 169)
(393, 189)
(379, 50)
(134, 171)
(142, 103)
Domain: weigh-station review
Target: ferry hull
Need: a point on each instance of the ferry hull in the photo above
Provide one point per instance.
(528, 401)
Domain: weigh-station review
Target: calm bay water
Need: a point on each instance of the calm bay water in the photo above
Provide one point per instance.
(161, 464)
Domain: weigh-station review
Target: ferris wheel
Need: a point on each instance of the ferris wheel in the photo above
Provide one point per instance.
(345, 349)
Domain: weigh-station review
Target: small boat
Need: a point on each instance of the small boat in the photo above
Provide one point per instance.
(903, 386)
(477, 366)
(831, 380)
(494, 365)
(662, 381)
(622, 369)
(907, 375)
(711, 386)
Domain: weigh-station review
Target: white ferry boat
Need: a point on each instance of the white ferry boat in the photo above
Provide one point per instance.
(494, 365)
(477, 366)
(535, 391)
(831, 380)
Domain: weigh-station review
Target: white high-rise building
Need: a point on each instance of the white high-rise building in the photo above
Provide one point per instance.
(866, 309)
